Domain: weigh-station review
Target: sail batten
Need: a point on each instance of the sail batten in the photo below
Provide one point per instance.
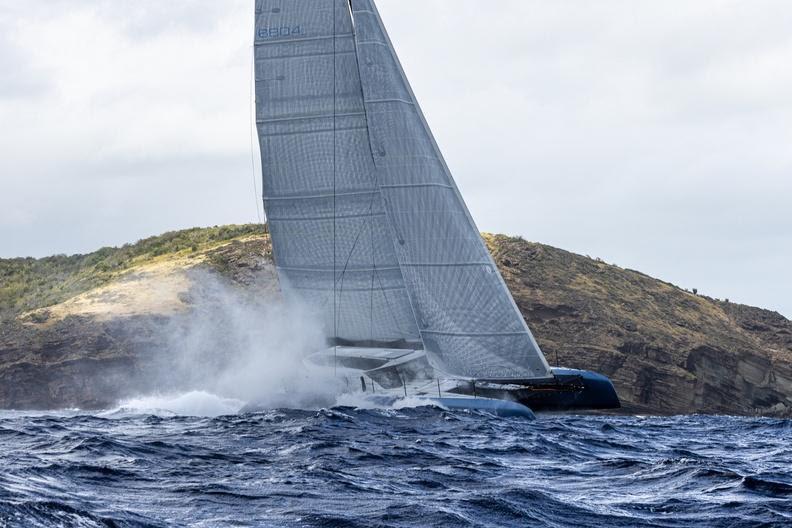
(307, 39)
(307, 118)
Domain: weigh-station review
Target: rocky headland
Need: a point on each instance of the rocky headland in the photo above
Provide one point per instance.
(87, 331)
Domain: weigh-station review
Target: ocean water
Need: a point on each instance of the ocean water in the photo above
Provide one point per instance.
(146, 466)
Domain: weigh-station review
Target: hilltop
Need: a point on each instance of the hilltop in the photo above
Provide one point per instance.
(666, 349)
(87, 330)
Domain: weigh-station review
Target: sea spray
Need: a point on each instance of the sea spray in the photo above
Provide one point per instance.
(237, 344)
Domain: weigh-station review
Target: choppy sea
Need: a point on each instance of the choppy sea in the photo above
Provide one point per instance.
(370, 468)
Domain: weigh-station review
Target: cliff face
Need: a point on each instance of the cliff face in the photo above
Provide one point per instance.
(666, 349)
(88, 331)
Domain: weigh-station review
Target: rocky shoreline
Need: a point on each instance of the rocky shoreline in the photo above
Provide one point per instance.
(667, 350)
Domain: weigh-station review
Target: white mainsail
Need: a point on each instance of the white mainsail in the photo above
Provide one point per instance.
(329, 231)
(366, 220)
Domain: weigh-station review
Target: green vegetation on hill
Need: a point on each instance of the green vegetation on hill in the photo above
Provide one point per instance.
(29, 284)
(666, 349)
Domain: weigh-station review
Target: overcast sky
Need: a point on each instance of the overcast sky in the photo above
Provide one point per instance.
(655, 135)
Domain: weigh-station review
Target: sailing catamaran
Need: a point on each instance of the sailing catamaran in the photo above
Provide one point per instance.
(369, 229)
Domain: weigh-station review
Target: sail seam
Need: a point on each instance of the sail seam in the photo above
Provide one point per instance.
(307, 132)
(306, 39)
(414, 185)
(329, 269)
(421, 160)
(388, 288)
(372, 43)
(318, 196)
(307, 118)
(339, 217)
(474, 334)
(302, 55)
(445, 264)
(391, 100)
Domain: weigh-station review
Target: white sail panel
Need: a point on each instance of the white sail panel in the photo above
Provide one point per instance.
(330, 234)
(468, 320)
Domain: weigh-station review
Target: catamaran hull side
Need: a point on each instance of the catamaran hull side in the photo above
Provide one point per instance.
(569, 390)
(595, 392)
(503, 408)
(409, 371)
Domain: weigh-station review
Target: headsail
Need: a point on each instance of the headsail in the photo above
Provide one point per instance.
(366, 220)
(328, 225)
(468, 319)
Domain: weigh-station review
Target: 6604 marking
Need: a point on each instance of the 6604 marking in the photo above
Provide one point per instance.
(278, 32)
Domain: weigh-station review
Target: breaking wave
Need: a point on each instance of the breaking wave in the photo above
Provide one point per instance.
(194, 403)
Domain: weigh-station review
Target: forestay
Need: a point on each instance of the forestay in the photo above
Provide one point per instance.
(331, 240)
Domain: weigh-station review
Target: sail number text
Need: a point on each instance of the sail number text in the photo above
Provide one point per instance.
(278, 32)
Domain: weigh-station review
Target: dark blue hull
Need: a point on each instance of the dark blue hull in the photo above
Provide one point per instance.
(568, 390)
(575, 390)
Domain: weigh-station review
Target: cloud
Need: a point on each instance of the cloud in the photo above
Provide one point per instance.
(17, 79)
(652, 134)
(144, 125)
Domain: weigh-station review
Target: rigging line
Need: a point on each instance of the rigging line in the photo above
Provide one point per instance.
(373, 271)
(349, 257)
(357, 239)
(354, 246)
(391, 311)
(251, 118)
(335, 305)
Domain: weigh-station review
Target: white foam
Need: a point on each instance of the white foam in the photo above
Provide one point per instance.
(367, 401)
(195, 403)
